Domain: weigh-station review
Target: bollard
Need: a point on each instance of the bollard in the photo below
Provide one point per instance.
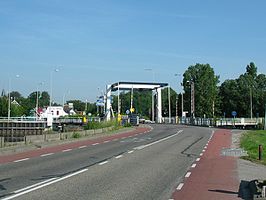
(260, 151)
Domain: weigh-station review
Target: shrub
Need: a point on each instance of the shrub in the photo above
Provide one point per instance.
(76, 135)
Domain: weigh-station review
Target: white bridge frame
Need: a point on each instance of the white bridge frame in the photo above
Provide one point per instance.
(154, 87)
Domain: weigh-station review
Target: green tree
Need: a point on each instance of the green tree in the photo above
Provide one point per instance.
(206, 90)
(78, 105)
(242, 93)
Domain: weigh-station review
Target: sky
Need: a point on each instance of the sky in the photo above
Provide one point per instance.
(80, 46)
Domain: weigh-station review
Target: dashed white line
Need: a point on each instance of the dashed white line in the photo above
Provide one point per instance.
(44, 185)
(158, 141)
(130, 151)
(188, 175)
(81, 147)
(180, 186)
(198, 159)
(106, 141)
(66, 150)
(205, 147)
(24, 159)
(201, 154)
(47, 154)
(103, 163)
(203, 150)
(95, 144)
(193, 166)
(120, 156)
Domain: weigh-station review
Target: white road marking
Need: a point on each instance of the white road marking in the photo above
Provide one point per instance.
(188, 174)
(161, 140)
(180, 186)
(106, 141)
(66, 150)
(130, 152)
(32, 186)
(47, 154)
(193, 166)
(203, 150)
(205, 147)
(24, 159)
(201, 154)
(103, 163)
(198, 159)
(120, 156)
(44, 185)
(95, 144)
(81, 147)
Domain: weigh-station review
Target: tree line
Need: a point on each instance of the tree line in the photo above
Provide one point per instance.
(26, 106)
(246, 95)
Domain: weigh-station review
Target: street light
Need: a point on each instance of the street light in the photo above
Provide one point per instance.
(64, 96)
(9, 98)
(51, 85)
(192, 98)
(152, 100)
(37, 98)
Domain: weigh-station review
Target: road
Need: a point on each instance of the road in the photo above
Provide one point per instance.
(143, 166)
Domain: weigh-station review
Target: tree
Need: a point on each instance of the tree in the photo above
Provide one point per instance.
(206, 90)
(242, 93)
(78, 105)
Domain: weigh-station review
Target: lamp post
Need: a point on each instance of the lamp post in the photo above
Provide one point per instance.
(169, 104)
(64, 97)
(192, 98)
(37, 99)
(9, 98)
(51, 85)
(265, 117)
(152, 99)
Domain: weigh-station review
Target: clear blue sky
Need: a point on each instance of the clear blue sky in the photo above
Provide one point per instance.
(94, 43)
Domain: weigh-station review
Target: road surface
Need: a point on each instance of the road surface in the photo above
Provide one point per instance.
(140, 166)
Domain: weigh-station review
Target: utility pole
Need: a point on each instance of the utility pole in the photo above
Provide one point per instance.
(192, 87)
(265, 118)
(169, 104)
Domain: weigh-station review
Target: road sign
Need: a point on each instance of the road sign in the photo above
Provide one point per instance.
(234, 113)
(127, 112)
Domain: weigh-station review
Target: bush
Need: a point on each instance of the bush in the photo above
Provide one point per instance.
(76, 135)
(104, 124)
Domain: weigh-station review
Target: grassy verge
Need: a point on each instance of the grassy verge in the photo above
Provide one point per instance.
(250, 141)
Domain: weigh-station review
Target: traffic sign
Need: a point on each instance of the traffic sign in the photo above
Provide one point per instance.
(234, 113)
(127, 112)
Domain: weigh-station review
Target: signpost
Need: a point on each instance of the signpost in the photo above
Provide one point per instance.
(234, 114)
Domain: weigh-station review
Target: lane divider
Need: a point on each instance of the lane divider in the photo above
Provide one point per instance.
(25, 191)
(188, 175)
(24, 159)
(67, 150)
(104, 162)
(47, 154)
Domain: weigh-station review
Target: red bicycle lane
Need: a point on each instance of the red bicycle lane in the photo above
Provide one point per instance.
(69, 146)
(212, 176)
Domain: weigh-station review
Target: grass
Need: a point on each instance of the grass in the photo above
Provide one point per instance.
(250, 141)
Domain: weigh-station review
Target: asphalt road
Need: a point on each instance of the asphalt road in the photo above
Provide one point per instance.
(145, 166)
